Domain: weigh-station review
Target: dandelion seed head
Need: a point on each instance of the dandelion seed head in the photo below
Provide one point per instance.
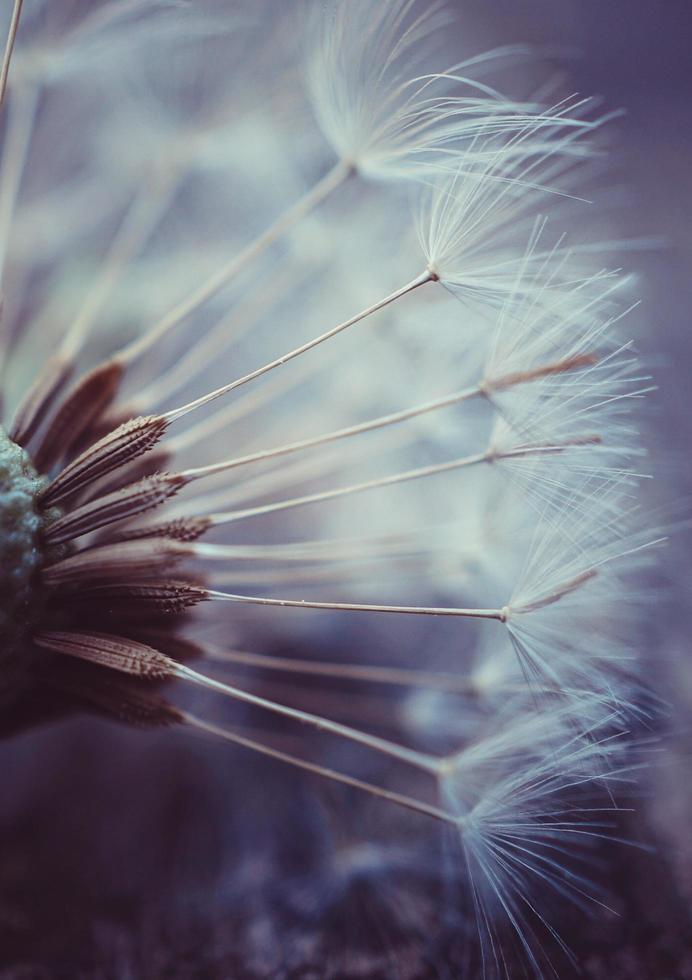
(255, 447)
(471, 218)
(359, 73)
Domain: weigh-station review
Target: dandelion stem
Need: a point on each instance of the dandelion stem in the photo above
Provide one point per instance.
(277, 478)
(447, 401)
(252, 401)
(407, 802)
(9, 46)
(322, 189)
(379, 423)
(230, 328)
(420, 280)
(136, 227)
(20, 127)
(22, 115)
(498, 614)
(315, 575)
(301, 551)
(385, 481)
(420, 760)
(352, 672)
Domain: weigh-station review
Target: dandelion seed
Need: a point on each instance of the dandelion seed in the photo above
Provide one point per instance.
(383, 119)
(519, 837)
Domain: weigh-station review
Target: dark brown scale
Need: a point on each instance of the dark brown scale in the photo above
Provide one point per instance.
(184, 529)
(124, 444)
(122, 562)
(156, 460)
(102, 425)
(109, 694)
(107, 650)
(128, 502)
(172, 643)
(126, 601)
(39, 399)
(81, 407)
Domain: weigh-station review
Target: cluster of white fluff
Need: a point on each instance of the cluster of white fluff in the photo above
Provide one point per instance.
(481, 459)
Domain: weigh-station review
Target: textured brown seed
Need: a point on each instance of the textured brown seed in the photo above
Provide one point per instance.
(81, 406)
(121, 446)
(108, 650)
(179, 648)
(166, 597)
(39, 399)
(156, 460)
(180, 529)
(130, 501)
(110, 694)
(129, 560)
(102, 425)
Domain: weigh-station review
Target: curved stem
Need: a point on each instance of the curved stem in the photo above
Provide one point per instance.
(139, 222)
(498, 614)
(420, 280)
(9, 47)
(420, 760)
(353, 672)
(372, 424)
(385, 481)
(229, 329)
(405, 801)
(336, 176)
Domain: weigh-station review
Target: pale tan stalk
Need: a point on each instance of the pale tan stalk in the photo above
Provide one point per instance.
(385, 481)
(343, 671)
(419, 760)
(420, 280)
(336, 176)
(9, 47)
(407, 802)
(135, 229)
(206, 349)
(393, 418)
(498, 614)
